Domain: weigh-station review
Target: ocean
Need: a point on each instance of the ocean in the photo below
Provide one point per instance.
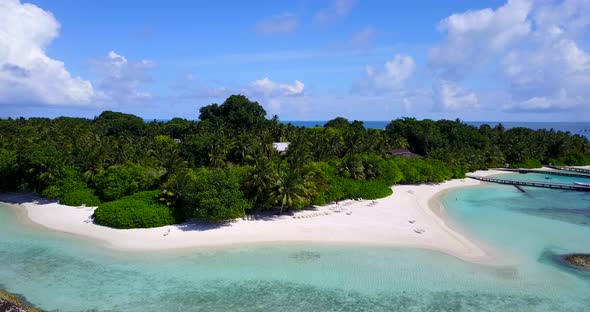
(59, 272)
(581, 128)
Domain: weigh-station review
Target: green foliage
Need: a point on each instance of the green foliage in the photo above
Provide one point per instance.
(79, 197)
(71, 190)
(125, 179)
(338, 122)
(117, 155)
(418, 170)
(529, 163)
(140, 210)
(8, 169)
(114, 123)
(238, 112)
(166, 152)
(332, 186)
(209, 194)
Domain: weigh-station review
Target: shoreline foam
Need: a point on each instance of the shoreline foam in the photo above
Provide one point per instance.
(383, 222)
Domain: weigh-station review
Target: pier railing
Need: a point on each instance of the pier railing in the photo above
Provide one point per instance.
(552, 172)
(560, 186)
(574, 169)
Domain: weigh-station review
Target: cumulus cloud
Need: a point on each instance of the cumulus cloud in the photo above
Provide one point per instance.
(274, 93)
(551, 71)
(121, 79)
(273, 89)
(475, 36)
(391, 77)
(27, 74)
(339, 9)
(452, 97)
(278, 24)
(569, 18)
(535, 47)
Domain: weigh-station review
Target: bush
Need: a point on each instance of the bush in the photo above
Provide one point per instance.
(576, 159)
(121, 180)
(529, 163)
(332, 186)
(70, 190)
(140, 210)
(371, 190)
(209, 194)
(79, 197)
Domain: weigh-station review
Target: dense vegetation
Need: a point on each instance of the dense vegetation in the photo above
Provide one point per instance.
(143, 174)
(140, 210)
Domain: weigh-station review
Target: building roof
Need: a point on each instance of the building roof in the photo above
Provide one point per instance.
(403, 153)
(281, 147)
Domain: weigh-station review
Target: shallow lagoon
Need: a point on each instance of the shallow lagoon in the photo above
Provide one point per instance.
(58, 272)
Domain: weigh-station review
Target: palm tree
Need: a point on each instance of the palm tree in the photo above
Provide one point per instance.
(259, 182)
(287, 192)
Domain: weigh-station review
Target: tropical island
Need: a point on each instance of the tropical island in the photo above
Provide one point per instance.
(224, 166)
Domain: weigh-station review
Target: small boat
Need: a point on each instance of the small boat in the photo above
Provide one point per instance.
(582, 184)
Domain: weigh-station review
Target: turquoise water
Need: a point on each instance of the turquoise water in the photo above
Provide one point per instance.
(58, 272)
(544, 178)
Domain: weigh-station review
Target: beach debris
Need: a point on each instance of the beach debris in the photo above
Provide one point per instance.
(412, 221)
(349, 213)
(411, 191)
(419, 231)
(167, 232)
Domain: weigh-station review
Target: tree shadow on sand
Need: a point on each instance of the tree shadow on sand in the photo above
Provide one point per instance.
(24, 198)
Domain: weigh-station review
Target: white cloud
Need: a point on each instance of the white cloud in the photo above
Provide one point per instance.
(551, 71)
(274, 94)
(121, 79)
(535, 48)
(338, 10)
(554, 103)
(450, 96)
(27, 74)
(391, 77)
(475, 36)
(571, 17)
(278, 24)
(273, 89)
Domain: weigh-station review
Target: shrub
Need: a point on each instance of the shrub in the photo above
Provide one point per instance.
(371, 190)
(140, 210)
(333, 186)
(79, 197)
(576, 159)
(70, 190)
(209, 194)
(121, 180)
(529, 163)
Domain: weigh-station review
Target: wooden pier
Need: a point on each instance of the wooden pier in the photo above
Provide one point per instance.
(573, 169)
(552, 172)
(560, 186)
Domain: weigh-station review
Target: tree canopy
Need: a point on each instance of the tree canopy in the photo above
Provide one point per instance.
(224, 165)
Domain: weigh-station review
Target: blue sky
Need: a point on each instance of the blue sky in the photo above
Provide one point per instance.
(517, 60)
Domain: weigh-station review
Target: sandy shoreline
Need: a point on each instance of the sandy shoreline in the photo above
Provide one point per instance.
(383, 222)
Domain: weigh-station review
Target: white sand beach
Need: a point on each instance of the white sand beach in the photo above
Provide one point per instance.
(408, 218)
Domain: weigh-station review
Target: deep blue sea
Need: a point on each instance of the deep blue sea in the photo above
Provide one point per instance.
(59, 272)
(582, 128)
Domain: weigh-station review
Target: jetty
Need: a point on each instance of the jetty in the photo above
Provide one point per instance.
(578, 174)
(560, 186)
(572, 169)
